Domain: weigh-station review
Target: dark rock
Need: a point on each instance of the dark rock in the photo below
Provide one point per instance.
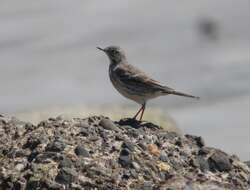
(137, 124)
(33, 142)
(128, 145)
(32, 155)
(33, 184)
(130, 122)
(81, 151)
(197, 140)
(65, 162)
(29, 127)
(108, 124)
(125, 157)
(44, 157)
(204, 151)
(203, 164)
(178, 142)
(66, 176)
(219, 161)
(56, 146)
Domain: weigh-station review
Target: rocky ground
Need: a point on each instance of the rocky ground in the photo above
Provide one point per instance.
(97, 153)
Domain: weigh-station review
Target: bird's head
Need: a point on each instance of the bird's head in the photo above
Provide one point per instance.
(115, 54)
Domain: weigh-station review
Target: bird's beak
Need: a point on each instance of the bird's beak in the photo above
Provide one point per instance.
(100, 49)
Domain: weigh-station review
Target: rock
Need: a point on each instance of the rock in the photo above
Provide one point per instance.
(125, 158)
(136, 166)
(129, 122)
(33, 184)
(44, 157)
(19, 167)
(163, 157)
(66, 176)
(108, 124)
(204, 151)
(128, 145)
(56, 146)
(143, 145)
(203, 164)
(65, 162)
(81, 151)
(33, 142)
(198, 140)
(162, 166)
(219, 161)
(153, 149)
(84, 132)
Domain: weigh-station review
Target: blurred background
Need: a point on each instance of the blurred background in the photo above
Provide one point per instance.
(49, 63)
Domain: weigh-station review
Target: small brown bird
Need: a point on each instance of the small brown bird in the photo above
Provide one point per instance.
(132, 82)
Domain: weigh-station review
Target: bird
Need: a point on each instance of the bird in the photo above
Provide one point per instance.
(132, 82)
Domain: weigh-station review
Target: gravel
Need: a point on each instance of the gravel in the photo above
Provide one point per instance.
(98, 153)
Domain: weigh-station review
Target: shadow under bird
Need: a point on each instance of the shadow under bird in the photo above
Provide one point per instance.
(132, 82)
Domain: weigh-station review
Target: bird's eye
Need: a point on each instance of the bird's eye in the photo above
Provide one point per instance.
(113, 52)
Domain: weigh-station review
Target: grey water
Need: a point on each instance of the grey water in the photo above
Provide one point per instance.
(48, 58)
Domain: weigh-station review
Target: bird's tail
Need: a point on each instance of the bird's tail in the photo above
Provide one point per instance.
(183, 94)
(172, 91)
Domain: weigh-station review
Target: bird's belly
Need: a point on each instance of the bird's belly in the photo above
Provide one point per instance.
(126, 92)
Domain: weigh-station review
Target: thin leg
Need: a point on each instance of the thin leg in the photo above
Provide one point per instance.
(138, 112)
(143, 109)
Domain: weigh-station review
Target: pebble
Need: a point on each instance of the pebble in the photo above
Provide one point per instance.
(128, 145)
(203, 164)
(219, 161)
(196, 139)
(66, 176)
(153, 149)
(65, 162)
(81, 151)
(108, 124)
(125, 158)
(136, 166)
(162, 166)
(163, 156)
(55, 146)
(33, 142)
(20, 166)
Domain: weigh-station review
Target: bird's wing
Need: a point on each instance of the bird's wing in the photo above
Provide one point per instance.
(130, 75)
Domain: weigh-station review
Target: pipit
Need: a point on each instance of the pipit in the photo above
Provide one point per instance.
(132, 82)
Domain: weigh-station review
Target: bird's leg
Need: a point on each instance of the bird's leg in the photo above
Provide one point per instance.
(143, 109)
(138, 112)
